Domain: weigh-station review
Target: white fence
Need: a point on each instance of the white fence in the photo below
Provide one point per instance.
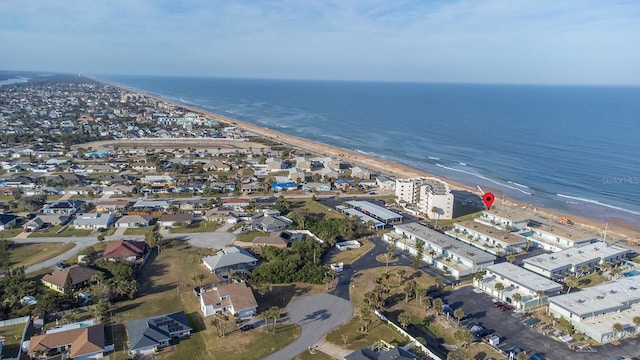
(407, 335)
(16, 321)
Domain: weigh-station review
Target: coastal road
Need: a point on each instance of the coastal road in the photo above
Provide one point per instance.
(80, 242)
(317, 315)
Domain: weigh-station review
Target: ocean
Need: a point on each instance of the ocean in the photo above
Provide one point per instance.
(570, 148)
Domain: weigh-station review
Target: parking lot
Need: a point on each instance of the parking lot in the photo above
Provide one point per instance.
(478, 307)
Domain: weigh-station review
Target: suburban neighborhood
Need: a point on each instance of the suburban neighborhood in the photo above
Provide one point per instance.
(137, 228)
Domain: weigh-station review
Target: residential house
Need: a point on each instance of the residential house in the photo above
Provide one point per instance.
(118, 189)
(344, 184)
(33, 225)
(144, 167)
(171, 220)
(302, 163)
(78, 342)
(63, 207)
(151, 205)
(296, 174)
(55, 219)
(93, 221)
(112, 205)
(274, 239)
(153, 333)
(229, 260)
(100, 168)
(82, 190)
(360, 173)
(235, 204)
(328, 174)
(250, 188)
(128, 250)
(132, 221)
(80, 275)
(216, 165)
(274, 164)
(235, 298)
(270, 223)
(8, 221)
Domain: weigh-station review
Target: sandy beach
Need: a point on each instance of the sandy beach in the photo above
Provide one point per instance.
(618, 231)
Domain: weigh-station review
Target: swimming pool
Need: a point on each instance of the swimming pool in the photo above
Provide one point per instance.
(631, 273)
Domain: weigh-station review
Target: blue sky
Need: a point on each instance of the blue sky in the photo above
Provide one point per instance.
(480, 41)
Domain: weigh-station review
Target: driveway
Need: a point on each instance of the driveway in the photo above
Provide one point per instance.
(478, 307)
(317, 315)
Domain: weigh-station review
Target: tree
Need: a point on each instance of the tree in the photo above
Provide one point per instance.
(401, 274)
(391, 251)
(404, 319)
(457, 354)
(410, 290)
(365, 317)
(500, 289)
(345, 338)
(100, 309)
(539, 294)
(419, 252)
(511, 258)
(68, 287)
(522, 356)
(571, 281)
(517, 298)
(428, 302)
(436, 212)
(438, 281)
(463, 336)
(636, 322)
(438, 305)
(618, 328)
(478, 277)
(458, 314)
(584, 269)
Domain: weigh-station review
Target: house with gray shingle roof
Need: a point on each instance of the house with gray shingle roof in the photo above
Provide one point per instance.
(152, 333)
(230, 260)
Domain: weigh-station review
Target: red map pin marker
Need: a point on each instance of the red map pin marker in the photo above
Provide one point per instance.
(488, 199)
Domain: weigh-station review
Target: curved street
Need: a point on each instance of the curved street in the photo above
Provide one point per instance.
(317, 315)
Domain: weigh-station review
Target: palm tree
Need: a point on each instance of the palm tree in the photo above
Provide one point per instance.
(636, 322)
(216, 323)
(438, 305)
(511, 258)
(478, 277)
(436, 211)
(539, 294)
(500, 288)
(404, 319)
(401, 274)
(584, 270)
(365, 317)
(458, 314)
(517, 298)
(410, 290)
(571, 281)
(618, 328)
(438, 281)
(391, 250)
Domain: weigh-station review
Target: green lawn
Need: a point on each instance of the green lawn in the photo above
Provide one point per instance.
(11, 344)
(357, 339)
(7, 234)
(317, 355)
(315, 207)
(52, 231)
(139, 230)
(591, 280)
(27, 254)
(248, 236)
(202, 226)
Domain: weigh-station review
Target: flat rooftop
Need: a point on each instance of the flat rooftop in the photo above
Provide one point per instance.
(436, 186)
(507, 237)
(524, 277)
(509, 214)
(573, 256)
(376, 210)
(601, 299)
(363, 217)
(564, 231)
(447, 243)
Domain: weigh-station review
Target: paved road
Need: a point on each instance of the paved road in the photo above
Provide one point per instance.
(81, 244)
(317, 315)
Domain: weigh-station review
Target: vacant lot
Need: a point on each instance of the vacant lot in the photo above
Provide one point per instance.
(27, 254)
(12, 335)
(52, 231)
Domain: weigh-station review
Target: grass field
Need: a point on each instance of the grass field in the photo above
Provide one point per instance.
(166, 286)
(355, 339)
(11, 345)
(202, 226)
(248, 236)
(317, 355)
(52, 231)
(348, 256)
(139, 230)
(315, 207)
(27, 254)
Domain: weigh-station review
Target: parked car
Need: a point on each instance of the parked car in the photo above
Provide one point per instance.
(247, 327)
(61, 265)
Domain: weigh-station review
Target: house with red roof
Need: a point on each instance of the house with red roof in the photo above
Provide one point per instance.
(128, 250)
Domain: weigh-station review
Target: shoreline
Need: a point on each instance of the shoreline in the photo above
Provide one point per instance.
(623, 231)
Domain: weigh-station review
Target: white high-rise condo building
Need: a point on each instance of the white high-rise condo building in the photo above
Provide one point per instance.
(427, 194)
